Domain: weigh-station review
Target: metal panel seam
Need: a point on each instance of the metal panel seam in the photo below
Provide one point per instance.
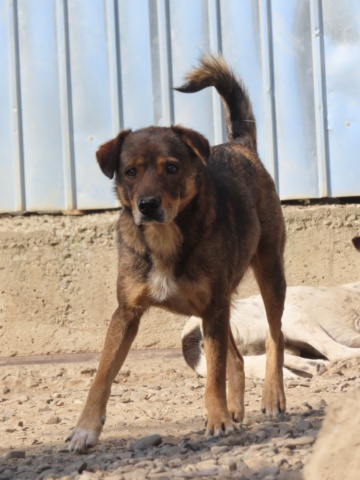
(65, 107)
(269, 90)
(18, 148)
(216, 46)
(70, 119)
(118, 64)
(165, 61)
(317, 30)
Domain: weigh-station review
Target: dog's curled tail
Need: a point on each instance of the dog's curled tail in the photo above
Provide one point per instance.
(214, 72)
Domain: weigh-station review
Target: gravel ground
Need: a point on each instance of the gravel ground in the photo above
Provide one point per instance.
(155, 422)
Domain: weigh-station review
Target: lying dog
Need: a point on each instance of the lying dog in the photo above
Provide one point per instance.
(321, 326)
(194, 218)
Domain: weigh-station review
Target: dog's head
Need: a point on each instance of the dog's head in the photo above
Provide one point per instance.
(156, 170)
(356, 243)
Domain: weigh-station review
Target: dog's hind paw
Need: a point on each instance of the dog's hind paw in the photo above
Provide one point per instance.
(238, 416)
(80, 440)
(273, 400)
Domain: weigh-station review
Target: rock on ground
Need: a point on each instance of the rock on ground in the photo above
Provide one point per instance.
(337, 449)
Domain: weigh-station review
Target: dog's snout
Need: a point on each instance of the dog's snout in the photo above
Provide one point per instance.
(149, 205)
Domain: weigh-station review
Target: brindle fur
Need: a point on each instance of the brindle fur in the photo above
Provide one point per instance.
(209, 215)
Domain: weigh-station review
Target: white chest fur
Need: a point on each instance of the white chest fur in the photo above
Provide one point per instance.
(162, 285)
(164, 242)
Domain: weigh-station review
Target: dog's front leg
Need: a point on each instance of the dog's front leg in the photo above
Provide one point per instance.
(120, 335)
(216, 328)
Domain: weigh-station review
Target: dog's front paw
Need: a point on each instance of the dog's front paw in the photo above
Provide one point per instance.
(219, 425)
(81, 439)
(84, 436)
(273, 399)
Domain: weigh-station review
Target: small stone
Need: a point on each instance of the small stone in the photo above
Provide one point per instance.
(6, 390)
(175, 462)
(261, 435)
(125, 399)
(23, 399)
(15, 454)
(218, 450)
(88, 371)
(137, 396)
(79, 466)
(292, 443)
(41, 468)
(87, 476)
(147, 442)
(231, 464)
(44, 409)
(53, 420)
(249, 384)
(268, 471)
(303, 425)
(206, 465)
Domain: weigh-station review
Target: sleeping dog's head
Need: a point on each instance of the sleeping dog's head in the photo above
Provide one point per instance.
(156, 170)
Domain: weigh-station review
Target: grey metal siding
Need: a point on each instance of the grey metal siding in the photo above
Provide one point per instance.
(74, 72)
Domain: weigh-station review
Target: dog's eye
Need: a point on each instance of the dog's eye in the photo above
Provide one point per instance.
(171, 168)
(131, 173)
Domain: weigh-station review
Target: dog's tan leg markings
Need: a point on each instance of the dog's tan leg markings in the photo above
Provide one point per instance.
(219, 421)
(236, 381)
(121, 333)
(269, 273)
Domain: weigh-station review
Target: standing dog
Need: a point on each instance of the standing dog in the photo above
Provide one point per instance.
(194, 218)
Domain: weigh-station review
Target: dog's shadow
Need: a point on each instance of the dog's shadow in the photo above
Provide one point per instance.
(175, 452)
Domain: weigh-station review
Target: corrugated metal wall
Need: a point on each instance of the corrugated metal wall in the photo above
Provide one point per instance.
(73, 72)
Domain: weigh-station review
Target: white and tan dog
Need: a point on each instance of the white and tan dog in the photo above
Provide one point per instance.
(321, 326)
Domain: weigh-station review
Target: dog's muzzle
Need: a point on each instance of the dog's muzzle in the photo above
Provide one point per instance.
(150, 208)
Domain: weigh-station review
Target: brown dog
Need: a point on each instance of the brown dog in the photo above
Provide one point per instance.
(193, 219)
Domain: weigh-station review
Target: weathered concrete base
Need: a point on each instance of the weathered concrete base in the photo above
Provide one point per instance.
(58, 276)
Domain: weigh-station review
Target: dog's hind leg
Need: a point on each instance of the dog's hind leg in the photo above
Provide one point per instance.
(236, 380)
(269, 272)
(120, 335)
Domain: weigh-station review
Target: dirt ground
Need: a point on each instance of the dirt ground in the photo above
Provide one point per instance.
(156, 394)
(57, 284)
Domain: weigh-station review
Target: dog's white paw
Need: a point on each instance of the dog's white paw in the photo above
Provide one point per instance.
(81, 439)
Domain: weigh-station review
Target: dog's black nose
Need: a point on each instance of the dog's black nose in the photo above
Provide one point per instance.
(149, 205)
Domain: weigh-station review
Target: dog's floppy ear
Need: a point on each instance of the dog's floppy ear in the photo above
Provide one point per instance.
(197, 142)
(356, 242)
(108, 154)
